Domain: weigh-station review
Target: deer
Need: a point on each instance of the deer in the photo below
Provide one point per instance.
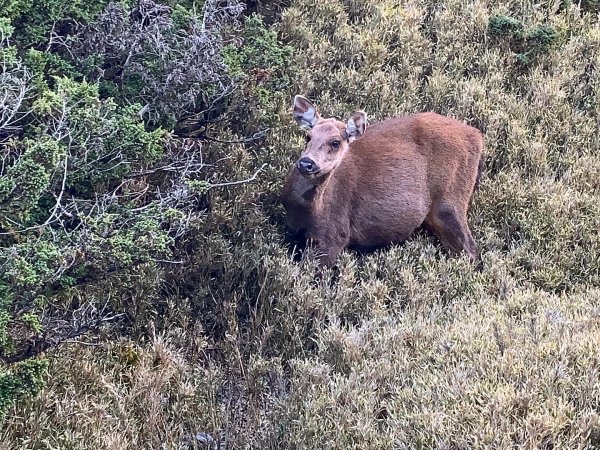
(366, 187)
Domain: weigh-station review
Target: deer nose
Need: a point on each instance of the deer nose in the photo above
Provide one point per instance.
(307, 166)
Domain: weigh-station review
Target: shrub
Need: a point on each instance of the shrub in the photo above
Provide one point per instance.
(38, 21)
(264, 67)
(93, 192)
(167, 59)
(24, 379)
(528, 45)
(500, 25)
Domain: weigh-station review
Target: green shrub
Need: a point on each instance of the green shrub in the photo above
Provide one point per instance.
(25, 379)
(36, 20)
(166, 59)
(261, 50)
(505, 26)
(528, 45)
(265, 67)
(92, 195)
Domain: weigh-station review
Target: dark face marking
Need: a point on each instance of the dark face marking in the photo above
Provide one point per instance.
(309, 195)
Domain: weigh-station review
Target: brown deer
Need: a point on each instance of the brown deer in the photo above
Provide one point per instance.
(366, 187)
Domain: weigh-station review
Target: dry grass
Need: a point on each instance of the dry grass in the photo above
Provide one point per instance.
(409, 349)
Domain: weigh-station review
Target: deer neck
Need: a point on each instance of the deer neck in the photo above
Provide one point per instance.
(311, 192)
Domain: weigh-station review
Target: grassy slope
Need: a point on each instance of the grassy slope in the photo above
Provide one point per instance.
(410, 349)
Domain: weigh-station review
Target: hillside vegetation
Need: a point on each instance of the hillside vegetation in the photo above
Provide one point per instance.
(150, 298)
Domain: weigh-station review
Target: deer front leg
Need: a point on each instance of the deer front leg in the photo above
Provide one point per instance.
(328, 247)
(328, 256)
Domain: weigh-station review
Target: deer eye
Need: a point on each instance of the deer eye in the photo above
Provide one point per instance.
(335, 144)
(307, 138)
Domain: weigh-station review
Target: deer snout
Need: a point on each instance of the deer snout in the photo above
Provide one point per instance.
(307, 166)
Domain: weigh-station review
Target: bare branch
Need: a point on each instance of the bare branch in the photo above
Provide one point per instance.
(255, 137)
(14, 87)
(233, 183)
(59, 330)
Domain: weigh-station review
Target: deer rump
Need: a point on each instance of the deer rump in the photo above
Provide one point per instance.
(368, 187)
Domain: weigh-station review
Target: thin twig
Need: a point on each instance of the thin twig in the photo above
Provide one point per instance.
(89, 344)
(255, 137)
(232, 183)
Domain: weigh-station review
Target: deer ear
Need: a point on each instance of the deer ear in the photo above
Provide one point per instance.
(305, 113)
(355, 127)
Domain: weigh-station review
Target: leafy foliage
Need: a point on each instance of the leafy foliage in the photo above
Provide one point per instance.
(265, 68)
(131, 54)
(24, 379)
(93, 187)
(528, 45)
(38, 21)
(507, 26)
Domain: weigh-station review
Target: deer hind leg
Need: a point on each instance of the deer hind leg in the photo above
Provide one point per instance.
(451, 227)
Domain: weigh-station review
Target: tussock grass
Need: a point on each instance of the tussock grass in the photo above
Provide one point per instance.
(409, 348)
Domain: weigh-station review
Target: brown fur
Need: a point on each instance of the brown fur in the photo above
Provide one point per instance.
(401, 173)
